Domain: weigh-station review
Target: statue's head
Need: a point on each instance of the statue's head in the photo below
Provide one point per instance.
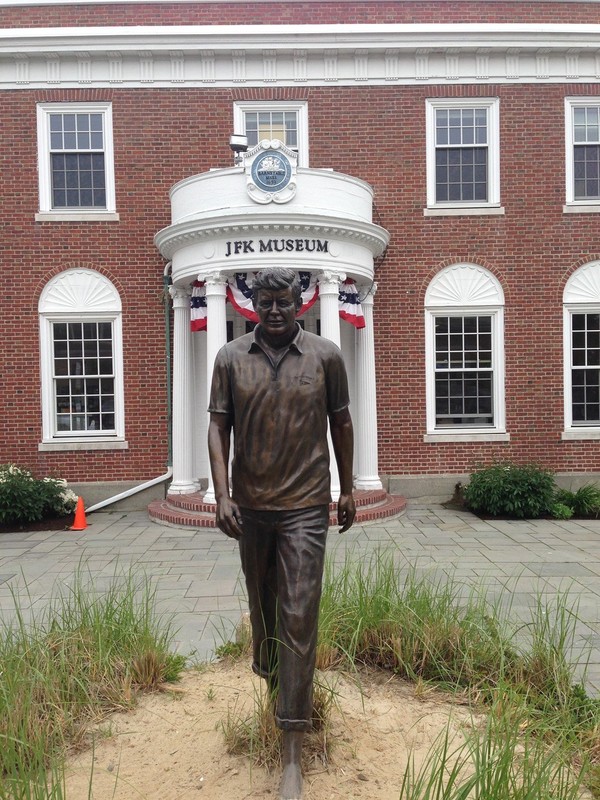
(276, 279)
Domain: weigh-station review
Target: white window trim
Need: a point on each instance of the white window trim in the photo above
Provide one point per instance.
(581, 295)
(46, 212)
(492, 104)
(465, 289)
(572, 431)
(573, 206)
(100, 293)
(301, 108)
(474, 433)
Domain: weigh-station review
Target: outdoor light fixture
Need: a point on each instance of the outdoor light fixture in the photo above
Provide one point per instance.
(238, 144)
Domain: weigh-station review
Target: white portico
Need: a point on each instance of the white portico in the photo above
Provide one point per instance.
(267, 212)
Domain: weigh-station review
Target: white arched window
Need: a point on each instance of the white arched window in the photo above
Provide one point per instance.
(464, 335)
(81, 362)
(581, 336)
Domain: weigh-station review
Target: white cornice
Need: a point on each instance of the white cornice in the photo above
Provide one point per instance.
(27, 3)
(165, 37)
(329, 54)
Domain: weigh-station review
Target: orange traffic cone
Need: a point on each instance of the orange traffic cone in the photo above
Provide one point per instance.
(79, 524)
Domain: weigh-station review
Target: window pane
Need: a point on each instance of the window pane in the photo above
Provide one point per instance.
(69, 140)
(60, 349)
(90, 349)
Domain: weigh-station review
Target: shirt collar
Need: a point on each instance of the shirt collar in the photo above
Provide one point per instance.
(295, 344)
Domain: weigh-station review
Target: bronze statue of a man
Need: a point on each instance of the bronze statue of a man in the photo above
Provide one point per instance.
(277, 387)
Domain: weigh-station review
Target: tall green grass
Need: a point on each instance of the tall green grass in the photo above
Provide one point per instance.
(497, 761)
(434, 630)
(420, 627)
(89, 654)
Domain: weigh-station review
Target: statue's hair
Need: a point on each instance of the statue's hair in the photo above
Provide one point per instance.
(276, 278)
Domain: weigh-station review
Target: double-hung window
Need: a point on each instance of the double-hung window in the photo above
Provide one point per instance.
(464, 371)
(581, 317)
(82, 362)
(285, 121)
(83, 375)
(582, 136)
(463, 161)
(465, 355)
(76, 173)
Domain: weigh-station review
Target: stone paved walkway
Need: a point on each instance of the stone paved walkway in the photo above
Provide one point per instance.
(197, 574)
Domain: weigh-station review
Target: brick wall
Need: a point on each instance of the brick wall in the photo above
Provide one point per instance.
(262, 13)
(374, 133)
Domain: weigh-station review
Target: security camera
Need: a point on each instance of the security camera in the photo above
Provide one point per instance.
(238, 143)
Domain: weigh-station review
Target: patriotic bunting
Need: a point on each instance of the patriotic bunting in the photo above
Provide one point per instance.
(239, 294)
(349, 300)
(310, 290)
(198, 304)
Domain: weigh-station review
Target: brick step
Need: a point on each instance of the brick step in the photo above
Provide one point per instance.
(195, 501)
(370, 505)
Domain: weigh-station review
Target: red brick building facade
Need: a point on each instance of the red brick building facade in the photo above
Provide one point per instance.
(477, 124)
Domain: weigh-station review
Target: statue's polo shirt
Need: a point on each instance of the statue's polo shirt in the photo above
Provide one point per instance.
(279, 415)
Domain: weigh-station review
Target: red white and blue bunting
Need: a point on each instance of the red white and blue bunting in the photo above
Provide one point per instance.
(198, 306)
(350, 308)
(239, 294)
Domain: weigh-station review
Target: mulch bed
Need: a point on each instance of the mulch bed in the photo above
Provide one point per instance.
(48, 524)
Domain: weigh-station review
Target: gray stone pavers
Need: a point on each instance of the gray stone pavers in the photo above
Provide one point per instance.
(198, 581)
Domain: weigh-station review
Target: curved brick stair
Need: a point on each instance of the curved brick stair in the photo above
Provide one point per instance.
(190, 510)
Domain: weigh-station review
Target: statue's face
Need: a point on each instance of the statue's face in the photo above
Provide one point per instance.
(276, 312)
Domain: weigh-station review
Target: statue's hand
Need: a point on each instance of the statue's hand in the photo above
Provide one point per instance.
(346, 511)
(229, 518)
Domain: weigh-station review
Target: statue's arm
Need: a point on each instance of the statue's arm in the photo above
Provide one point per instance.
(228, 514)
(342, 437)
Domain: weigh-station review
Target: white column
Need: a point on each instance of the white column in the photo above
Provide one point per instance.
(216, 337)
(329, 290)
(199, 432)
(183, 462)
(366, 401)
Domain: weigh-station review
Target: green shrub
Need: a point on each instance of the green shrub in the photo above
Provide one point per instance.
(585, 501)
(24, 498)
(561, 511)
(510, 489)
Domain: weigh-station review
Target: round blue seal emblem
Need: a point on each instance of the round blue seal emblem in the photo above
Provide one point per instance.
(271, 171)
